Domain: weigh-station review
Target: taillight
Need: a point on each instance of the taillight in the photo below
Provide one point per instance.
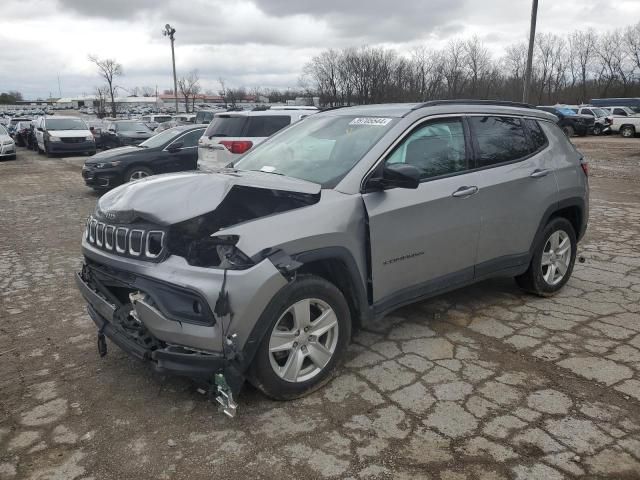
(585, 166)
(237, 146)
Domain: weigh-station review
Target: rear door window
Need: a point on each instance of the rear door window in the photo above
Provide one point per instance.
(498, 140)
(267, 125)
(536, 135)
(191, 139)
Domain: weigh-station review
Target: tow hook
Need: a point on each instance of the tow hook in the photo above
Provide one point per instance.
(224, 396)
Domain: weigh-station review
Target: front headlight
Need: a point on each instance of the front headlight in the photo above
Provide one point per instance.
(113, 163)
(7, 142)
(89, 138)
(54, 139)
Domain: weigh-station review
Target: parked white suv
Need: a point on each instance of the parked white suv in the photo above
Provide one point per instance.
(230, 134)
(63, 135)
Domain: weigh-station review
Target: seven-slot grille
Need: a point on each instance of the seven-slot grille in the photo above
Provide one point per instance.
(131, 241)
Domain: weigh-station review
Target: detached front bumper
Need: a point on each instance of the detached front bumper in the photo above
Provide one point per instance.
(169, 359)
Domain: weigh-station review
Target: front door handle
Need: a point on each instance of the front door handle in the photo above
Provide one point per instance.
(538, 173)
(464, 192)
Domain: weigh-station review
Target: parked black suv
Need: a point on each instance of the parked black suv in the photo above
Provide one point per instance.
(570, 122)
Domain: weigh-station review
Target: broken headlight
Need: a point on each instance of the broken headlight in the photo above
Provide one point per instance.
(208, 251)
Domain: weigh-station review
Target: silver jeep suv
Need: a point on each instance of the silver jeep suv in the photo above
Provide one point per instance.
(262, 270)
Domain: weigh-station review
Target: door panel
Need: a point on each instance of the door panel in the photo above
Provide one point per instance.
(513, 196)
(421, 235)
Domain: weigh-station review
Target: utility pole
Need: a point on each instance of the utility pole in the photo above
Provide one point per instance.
(532, 38)
(169, 31)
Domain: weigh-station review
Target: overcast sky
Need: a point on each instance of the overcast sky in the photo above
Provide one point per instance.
(252, 42)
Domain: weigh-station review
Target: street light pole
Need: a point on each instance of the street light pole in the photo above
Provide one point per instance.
(532, 38)
(169, 31)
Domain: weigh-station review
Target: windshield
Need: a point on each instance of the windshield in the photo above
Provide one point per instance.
(317, 149)
(226, 126)
(65, 124)
(161, 119)
(133, 127)
(3, 131)
(600, 112)
(160, 139)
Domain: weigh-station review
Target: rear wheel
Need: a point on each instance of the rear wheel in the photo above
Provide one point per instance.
(628, 131)
(136, 173)
(309, 331)
(568, 130)
(553, 259)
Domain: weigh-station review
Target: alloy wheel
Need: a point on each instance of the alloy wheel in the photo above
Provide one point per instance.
(556, 257)
(303, 340)
(137, 175)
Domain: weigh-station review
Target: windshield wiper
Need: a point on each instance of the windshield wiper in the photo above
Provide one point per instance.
(264, 171)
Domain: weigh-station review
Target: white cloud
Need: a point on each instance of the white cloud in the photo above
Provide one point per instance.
(253, 42)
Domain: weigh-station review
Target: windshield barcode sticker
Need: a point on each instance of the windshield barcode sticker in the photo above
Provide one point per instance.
(370, 121)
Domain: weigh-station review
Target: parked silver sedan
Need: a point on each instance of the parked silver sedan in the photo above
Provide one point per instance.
(7, 145)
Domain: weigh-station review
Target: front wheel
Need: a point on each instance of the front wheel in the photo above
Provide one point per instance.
(309, 331)
(553, 259)
(597, 130)
(136, 173)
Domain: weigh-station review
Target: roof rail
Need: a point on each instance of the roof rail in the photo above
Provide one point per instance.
(502, 103)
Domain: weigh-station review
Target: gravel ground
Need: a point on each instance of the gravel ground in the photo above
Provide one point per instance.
(482, 383)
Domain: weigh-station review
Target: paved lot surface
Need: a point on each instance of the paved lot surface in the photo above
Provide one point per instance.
(484, 383)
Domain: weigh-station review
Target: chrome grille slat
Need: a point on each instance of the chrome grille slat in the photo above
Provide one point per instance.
(109, 232)
(150, 235)
(121, 248)
(132, 250)
(100, 234)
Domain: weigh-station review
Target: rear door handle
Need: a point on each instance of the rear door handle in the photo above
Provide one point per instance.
(540, 173)
(463, 192)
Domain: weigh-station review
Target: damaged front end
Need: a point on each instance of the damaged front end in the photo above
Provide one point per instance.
(165, 283)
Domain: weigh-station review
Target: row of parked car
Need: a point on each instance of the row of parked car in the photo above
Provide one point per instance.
(589, 119)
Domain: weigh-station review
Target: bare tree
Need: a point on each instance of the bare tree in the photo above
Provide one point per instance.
(189, 87)
(109, 69)
(582, 46)
(101, 94)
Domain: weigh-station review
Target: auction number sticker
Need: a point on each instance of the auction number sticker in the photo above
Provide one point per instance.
(375, 121)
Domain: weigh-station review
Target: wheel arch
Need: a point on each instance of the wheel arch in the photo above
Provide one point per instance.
(337, 265)
(573, 209)
(334, 264)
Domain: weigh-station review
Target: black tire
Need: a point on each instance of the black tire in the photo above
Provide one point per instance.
(261, 373)
(133, 170)
(628, 131)
(533, 280)
(568, 130)
(48, 153)
(597, 130)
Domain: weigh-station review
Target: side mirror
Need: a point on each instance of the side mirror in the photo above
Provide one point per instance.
(397, 175)
(175, 147)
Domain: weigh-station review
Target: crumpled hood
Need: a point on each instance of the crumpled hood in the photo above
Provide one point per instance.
(171, 198)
